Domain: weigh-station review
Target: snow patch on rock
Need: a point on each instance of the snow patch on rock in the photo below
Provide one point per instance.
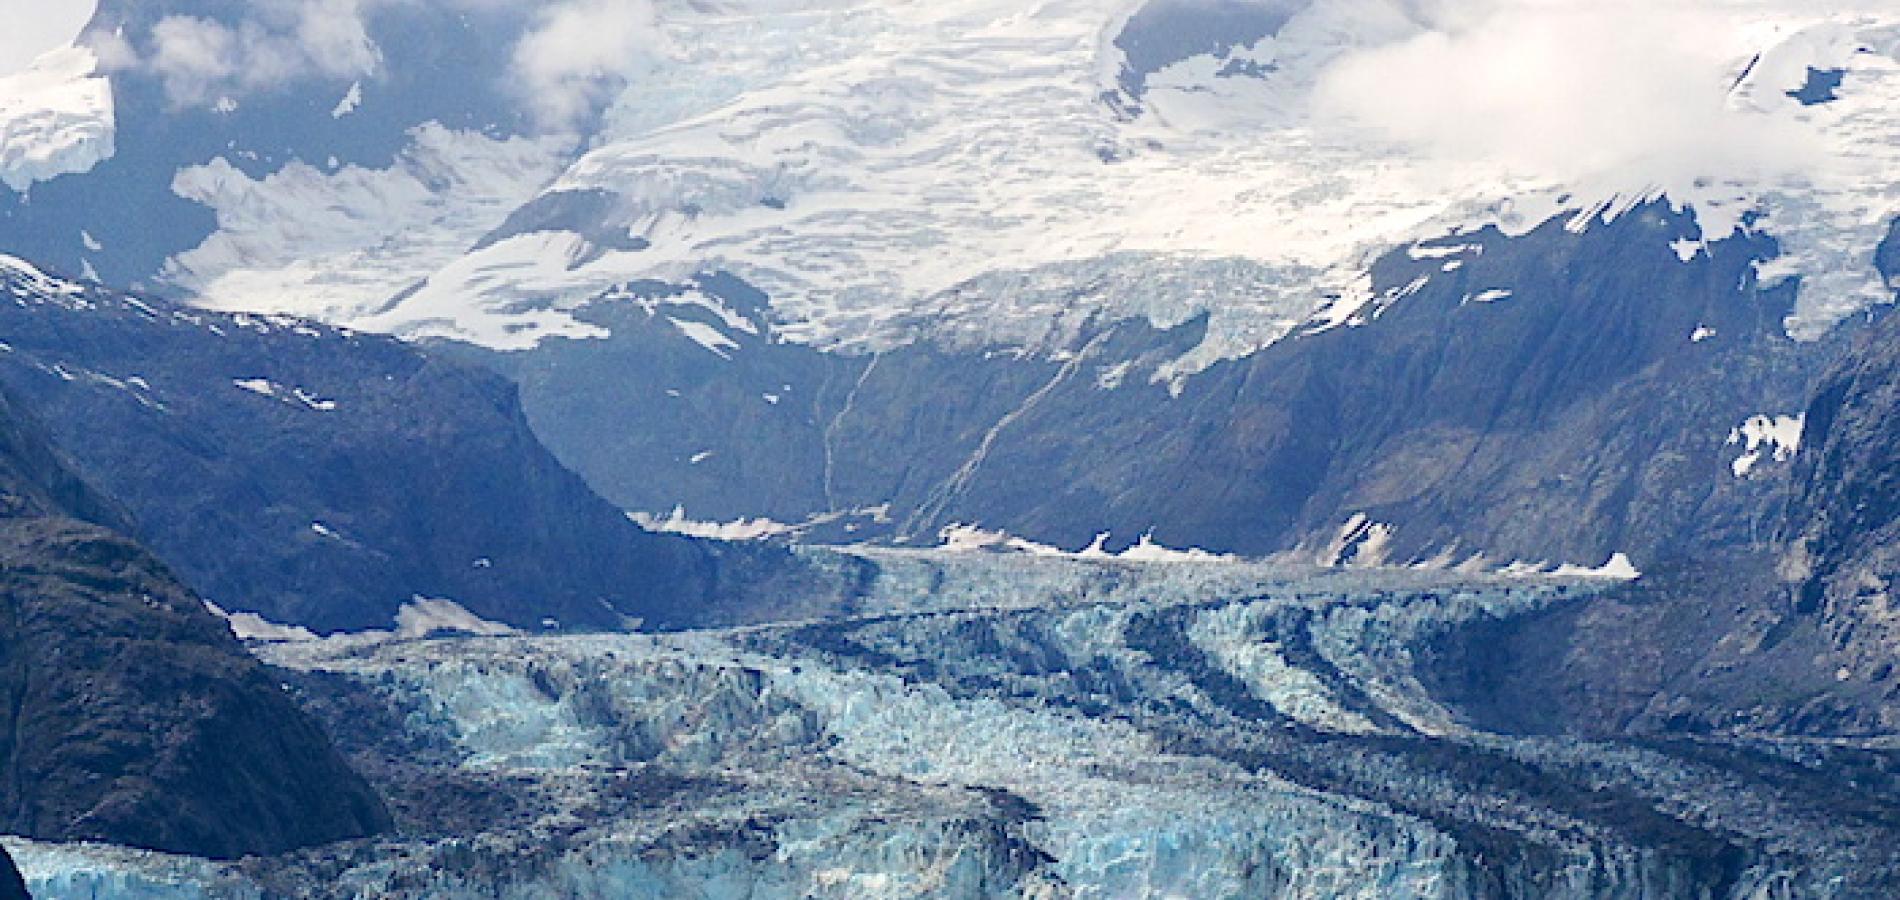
(293, 396)
(677, 522)
(253, 627)
(424, 616)
(1774, 437)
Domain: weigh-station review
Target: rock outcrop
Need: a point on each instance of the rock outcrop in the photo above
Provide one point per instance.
(327, 479)
(131, 715)
(1554, 396)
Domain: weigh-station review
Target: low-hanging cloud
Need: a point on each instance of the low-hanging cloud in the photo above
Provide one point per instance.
(568, 56)
(579, 50)
(1568, 89)
(200, 61)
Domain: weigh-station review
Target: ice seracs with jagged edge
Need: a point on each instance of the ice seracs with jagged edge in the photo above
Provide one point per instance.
(1039, 727)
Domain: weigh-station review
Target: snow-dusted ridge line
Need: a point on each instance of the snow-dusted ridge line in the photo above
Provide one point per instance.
(421, 617)
(760, 528)
(1360, 545)
(974, 539)
(676, 522)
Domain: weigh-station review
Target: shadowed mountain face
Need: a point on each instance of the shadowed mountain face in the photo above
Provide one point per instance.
(1844, 517)
(35, 481)
(326, 478)
(132, 715)
(1164, 32)
(1791, 633)
(1555, 396)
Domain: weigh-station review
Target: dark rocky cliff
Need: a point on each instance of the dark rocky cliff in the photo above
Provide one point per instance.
(134, 717)
(326, 478)
(1843, 524)
(131, 714)
(1555, 396)
(1791, 632)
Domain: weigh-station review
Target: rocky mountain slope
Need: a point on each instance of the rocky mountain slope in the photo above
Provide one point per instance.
(1844, 517)
(1561, 396)
(1790, 632)
(329, 479)
(136, 718)
(133, 716)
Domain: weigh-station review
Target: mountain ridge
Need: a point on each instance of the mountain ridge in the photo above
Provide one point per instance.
(134, 716)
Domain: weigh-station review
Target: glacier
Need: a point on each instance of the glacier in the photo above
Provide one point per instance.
(994, 724)
(967, 172)
(338, 236)
(871, 166)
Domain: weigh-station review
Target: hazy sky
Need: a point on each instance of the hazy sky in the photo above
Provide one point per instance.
(36, 26)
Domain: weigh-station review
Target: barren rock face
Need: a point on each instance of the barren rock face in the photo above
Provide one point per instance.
(327, 479)
(137, 719)
(1844, 516)
(133, 716)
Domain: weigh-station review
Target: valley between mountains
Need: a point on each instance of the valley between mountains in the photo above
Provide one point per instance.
(1083, 449)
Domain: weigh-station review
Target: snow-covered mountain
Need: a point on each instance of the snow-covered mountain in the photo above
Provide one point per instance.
(58, 119)
(857, 161)
(860, 162)
(897, 203)
(1307, 447)
(911, 150)
(944, 233)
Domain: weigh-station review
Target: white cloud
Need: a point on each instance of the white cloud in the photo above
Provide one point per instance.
(1569, 89)
(193, 56)
(333, 35)
(570, 55)
(580, 49)
(201, 61)
(34, 27)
